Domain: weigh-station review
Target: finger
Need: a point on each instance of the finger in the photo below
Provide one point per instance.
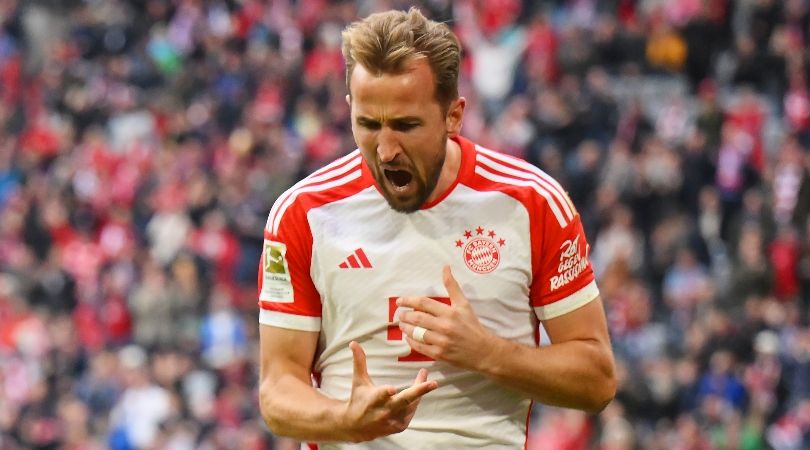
(411, 405)
(421, 376)
(430, 336)
(400, 310)
(360, 369)
(383, 394)
(453, 289)
(424, 304)
(422, 347)
(414, 393)
(421, 319)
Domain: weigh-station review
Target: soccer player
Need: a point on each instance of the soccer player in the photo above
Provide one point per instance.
(407, 280)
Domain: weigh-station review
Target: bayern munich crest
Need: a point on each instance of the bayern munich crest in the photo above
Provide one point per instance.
(481, 249)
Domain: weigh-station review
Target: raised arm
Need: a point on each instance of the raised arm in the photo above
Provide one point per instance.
(292, 407)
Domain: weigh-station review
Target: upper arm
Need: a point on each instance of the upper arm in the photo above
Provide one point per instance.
(289, 303)
(584, 332)
(285, 351)
(586, 323)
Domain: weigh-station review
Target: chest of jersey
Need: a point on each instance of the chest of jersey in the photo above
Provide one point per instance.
(365, 255)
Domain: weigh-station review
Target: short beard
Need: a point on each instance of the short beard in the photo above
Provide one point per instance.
(424, 189)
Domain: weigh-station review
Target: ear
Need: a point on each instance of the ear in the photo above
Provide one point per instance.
(349, 100)
(455, 115)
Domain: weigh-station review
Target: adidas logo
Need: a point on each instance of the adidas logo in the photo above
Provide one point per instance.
(357, 260)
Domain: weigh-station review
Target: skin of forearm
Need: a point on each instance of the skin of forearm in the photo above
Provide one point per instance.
(294, 409)
(574, 374)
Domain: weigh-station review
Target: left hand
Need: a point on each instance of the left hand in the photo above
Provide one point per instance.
(454, 334)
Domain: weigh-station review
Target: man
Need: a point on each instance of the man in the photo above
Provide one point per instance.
(423, 252)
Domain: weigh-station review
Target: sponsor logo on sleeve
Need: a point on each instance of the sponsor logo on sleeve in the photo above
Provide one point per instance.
(276, 283)
(573, 262)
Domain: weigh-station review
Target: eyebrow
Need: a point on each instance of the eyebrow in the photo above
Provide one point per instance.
(393, 121)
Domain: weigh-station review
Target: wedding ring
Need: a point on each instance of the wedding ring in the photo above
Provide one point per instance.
(419, 334)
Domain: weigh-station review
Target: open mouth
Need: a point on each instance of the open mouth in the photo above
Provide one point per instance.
(399, 179)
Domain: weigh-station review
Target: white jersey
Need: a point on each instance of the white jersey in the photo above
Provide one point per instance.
(336, 257)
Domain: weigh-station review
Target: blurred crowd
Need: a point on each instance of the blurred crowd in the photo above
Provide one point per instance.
(142, 143)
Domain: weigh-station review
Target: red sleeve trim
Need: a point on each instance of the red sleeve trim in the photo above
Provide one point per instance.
(289, 239)
(555, 226)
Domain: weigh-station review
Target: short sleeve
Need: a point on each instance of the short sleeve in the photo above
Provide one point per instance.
(563, 278)
(287, 296)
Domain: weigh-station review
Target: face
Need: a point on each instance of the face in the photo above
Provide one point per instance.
(402, 132)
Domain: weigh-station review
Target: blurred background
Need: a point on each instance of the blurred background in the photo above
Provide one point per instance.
(142, 143)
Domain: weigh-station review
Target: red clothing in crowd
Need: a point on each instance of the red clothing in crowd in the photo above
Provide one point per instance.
(749, 117)
(784, 256)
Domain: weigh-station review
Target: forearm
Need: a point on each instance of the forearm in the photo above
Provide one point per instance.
(576, 371)
(295, 409)
(574, 374)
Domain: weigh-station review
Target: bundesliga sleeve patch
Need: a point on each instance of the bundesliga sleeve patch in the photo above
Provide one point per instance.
(276, 282)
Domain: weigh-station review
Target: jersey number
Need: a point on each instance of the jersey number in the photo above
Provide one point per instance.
(395, 334)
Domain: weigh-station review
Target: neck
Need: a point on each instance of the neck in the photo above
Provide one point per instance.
(452, 163)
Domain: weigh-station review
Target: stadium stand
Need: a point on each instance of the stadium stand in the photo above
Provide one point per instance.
(142, 143)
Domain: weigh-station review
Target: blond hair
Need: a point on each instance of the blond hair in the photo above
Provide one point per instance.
(387, 42)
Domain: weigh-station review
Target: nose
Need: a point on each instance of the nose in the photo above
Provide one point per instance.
(387, 146)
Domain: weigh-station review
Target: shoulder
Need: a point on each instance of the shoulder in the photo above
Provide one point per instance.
(335, 181)
(535, 189)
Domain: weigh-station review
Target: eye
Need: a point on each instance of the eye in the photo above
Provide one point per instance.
(368, 124)
(406, 126)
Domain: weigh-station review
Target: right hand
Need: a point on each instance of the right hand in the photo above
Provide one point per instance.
(376, 411)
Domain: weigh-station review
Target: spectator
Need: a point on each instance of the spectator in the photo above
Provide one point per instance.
(721, 382)
(751, 274)
(152, 309)
(135, 419)
(222, 334)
